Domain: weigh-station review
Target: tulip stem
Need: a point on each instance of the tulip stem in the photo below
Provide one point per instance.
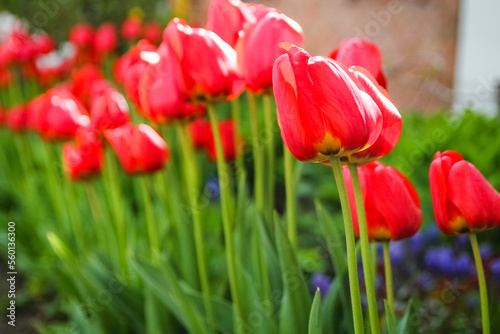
(269, 122)
(257, 154)
(388, 275)
(290, 196)
(226, 220)
(482, 283)
(240, 163)
(192, 188)
(150, 221)
(350, 245)
(365, 251)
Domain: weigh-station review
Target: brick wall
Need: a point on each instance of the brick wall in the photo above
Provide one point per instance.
(417, 39)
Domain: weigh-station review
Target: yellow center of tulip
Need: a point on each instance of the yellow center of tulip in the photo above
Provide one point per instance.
(380, 234)
(329, 146)
(459, 225)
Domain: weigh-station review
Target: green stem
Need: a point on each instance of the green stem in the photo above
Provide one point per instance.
(240, 163)
(226, 220)
(350, 245)
(482, 283)
(102, 236)
(192, 187)
(257, 154)
(388, 275)
(150, 221)
(116, 203)
(365, 251)
(269, 123)
(290, 196)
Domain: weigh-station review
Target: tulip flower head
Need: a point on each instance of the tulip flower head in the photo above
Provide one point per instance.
(109, 110)
(84, 159)
(391, 203)
(131, 28)
(258, 48)
(463, 199)
(227, 18)
(62, 115)
(208, 63)
(139, 148)
(16, 118)
(360, 52)
(105, 39)
(152, 32)
(323, 110)
(82, 35)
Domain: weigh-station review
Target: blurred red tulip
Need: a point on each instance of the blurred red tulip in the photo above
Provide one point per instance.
(5, 76)
(132, 80)
(131, 28)
(152, 32)
(359, 52)
(19, 46)
(391, 203)
(323, 109)
(202, 137)
(109, 110)
(82, 35)
(463, 199)
(139, 148)
(84, 80)
(84, 159)
(258, 47)
(123, 64)
(162, 92)
(227, 18)
(391, 119)
(62, 115)
(105, 39)
(43, 42)
(208, 63)
(16, 118)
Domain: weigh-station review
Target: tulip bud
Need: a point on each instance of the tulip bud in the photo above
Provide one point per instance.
(105, 39)
(463, 199)
(391, 203)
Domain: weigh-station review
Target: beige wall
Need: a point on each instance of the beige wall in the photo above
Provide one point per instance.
(417, 39)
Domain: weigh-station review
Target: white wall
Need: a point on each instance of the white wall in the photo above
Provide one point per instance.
(478, 56)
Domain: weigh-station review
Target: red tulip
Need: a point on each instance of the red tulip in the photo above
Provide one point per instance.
(463, 199)
(162, 92)
(19, 46)
(227, 18)
(43, 42)
(105, 39)
(131, 28)
(323, 109)
(109, 110)
(5, 76)
(139, 148)
(203, 138)
(131, 83)
(391, 119)
(391, 203)
(16, 118)
(359, 52)
(125, 62)
(152, 32)
(85, 158)
(84, 80)
(62, 115)
(81, 35)
(258, 47)
(208, 63)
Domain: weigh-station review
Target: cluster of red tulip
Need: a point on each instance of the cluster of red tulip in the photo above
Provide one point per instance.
(332, 110)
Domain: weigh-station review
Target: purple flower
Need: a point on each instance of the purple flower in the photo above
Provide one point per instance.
(486, 252)
(322, 282)
(462, 241)
(397, 252)
(425, 282)
(417, 243)
(440, 259)
(495, 269)
(463, 265)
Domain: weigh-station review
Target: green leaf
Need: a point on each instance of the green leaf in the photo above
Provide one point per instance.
(165, 284)
(404, 327)
(390, 319)
(296, 297)
(332, 315)
(315, 315)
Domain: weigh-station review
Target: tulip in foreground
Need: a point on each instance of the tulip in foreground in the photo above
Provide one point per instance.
(323, 109)
(463, 199)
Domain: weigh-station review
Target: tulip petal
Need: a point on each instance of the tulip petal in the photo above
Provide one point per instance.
(476, 198)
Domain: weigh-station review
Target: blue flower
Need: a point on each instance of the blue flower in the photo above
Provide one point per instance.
(322, 282)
